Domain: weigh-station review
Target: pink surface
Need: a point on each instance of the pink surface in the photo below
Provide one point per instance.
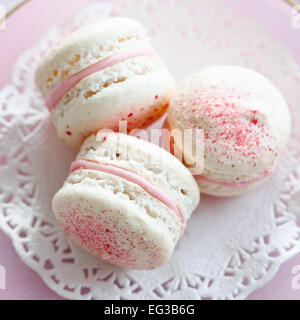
(58, 92)
(22, 32)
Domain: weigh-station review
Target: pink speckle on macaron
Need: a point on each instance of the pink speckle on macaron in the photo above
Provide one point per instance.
(103, 234)
(244, 118)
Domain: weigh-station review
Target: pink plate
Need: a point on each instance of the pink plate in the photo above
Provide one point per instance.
(26, 25)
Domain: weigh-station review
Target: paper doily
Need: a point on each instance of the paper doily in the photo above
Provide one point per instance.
(231, 246)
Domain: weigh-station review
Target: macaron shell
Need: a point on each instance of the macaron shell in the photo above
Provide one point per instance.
(110, 224)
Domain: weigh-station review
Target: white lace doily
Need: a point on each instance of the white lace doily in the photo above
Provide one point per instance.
(231, 246)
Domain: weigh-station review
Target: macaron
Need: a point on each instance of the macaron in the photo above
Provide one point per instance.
(101, 74)
(126, 201)
(245, 121)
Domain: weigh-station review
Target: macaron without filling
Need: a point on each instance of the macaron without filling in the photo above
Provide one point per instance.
(126, 201)
(101, 74)
(245, 121)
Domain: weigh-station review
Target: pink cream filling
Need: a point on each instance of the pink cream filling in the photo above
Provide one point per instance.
(237, 184)
(66, 85)
(132, 177)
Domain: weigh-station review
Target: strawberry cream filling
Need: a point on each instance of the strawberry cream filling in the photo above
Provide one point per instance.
(132, 177)
(66, 85)
(236, 184)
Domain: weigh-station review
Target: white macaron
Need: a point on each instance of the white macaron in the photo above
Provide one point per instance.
(127, 201)
(101, 74)
(245, 121)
